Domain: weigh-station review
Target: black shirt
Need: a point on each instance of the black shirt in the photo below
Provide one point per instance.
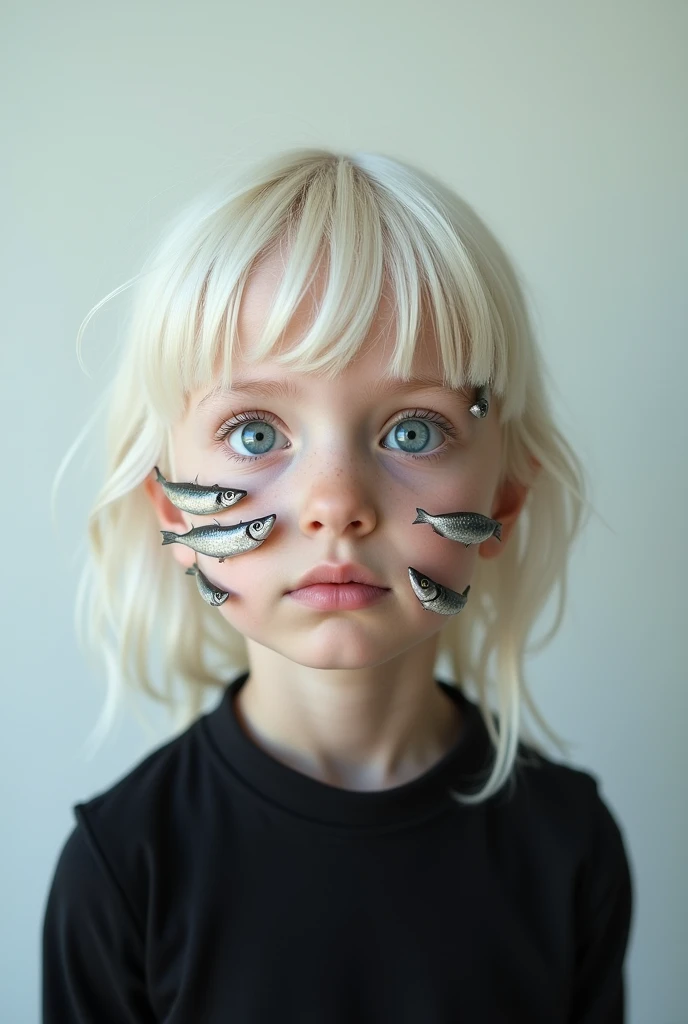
(214, 884)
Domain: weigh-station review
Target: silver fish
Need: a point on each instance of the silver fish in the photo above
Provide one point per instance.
(465, 527)
(197, 499)
(482, 404)
(223, 541)
(209, 592)
(434, 597)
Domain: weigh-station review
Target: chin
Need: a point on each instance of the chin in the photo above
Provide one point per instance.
(339, 642)
(345, 652)
(334, 660)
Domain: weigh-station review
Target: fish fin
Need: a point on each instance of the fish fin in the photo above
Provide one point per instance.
(465, 592)
(217, 521)
(159, 477)
(220, 559)
(191, 571)
(422, 516)
(168, 537)
(196, 480)
(498, 531)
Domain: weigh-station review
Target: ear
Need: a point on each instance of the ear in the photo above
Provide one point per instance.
(170, 518)
(508, 503)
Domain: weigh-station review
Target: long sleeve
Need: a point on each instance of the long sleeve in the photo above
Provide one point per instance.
(604, 914)
(92, 948)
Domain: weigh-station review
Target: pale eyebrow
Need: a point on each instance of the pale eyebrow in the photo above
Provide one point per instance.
(289, 389)
(393, 386)
(266, 388)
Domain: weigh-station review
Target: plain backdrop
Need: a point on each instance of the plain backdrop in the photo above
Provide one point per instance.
(564, 124)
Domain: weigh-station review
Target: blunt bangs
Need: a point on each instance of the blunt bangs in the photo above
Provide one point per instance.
(369, 222)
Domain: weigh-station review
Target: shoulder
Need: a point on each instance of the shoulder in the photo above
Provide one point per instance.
(564, 791)
(84, 890)
(140, 796)
(119, 832)
(582, 852)
(554, 801)
(566, 806)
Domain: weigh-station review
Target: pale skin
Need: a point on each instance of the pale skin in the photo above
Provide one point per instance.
(347, 697)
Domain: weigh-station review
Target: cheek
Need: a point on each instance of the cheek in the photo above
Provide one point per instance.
(447, 559)
(248, 607)
(256, 579)
(465, 483)
(254, 574)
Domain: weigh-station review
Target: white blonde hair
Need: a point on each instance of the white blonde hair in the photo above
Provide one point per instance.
(375, 219)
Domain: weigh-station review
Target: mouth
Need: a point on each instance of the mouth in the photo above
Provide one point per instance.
(338, 596)
(338, 573)
(338, 586)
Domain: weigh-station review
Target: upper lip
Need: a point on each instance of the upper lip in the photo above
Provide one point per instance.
(340, 572)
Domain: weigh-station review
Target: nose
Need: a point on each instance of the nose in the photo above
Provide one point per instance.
(337, 502)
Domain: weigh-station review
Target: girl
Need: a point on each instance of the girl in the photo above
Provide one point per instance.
(337, 346)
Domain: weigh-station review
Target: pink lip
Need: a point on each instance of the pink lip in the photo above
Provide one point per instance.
(333, 596)
(338, 572)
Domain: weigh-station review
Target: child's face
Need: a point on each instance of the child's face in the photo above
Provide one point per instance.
(338, 493)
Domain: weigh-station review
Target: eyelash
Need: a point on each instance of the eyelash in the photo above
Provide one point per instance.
(267, 417)
(229, 425)
(434, 417)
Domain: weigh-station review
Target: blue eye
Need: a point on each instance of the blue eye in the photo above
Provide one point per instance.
(257, 437)
(412, 435)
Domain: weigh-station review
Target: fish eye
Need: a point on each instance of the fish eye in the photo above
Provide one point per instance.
(425, 583)
(256, 437)
(412, 435)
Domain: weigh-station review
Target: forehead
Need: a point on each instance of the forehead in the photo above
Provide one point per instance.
(376, 349)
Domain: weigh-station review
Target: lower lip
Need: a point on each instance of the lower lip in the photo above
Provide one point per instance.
(329, 596)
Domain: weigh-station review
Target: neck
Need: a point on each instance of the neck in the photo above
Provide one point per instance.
(355, 728)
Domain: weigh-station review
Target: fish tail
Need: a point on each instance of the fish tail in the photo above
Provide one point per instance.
(498, 531)
(168, 537)
(422, 516)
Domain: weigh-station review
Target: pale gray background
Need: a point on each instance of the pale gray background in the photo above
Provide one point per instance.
(564, 125)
